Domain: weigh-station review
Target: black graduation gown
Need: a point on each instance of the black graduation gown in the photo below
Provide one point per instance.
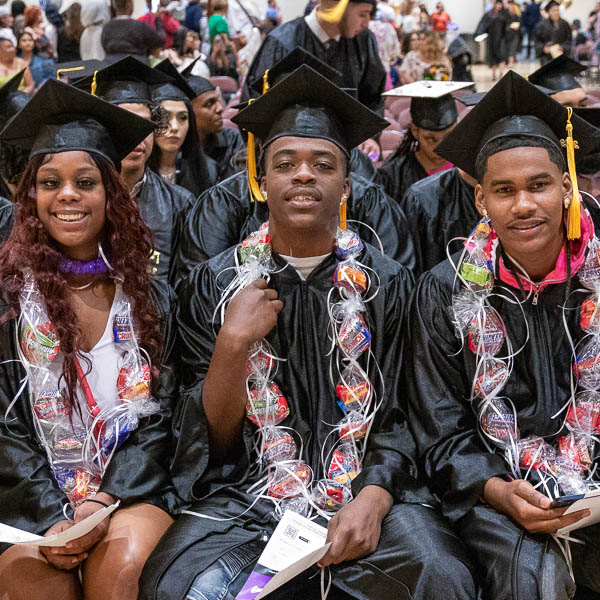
(7, 217)
(4, 191)
(225, 215)
(299, 337)
(357, 59)
(496, 28)
(164, 207)
(439, 208)
(30, 499)
(223, 148)
(398, 174)
(362, 165)
(547, 35)
(440, 376)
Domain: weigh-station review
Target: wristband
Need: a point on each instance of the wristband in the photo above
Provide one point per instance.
(97, 502)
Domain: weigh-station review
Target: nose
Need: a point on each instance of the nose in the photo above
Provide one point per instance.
(523, 205)
(173, 125)
(219, 108)
(68, 192)
(304, 174)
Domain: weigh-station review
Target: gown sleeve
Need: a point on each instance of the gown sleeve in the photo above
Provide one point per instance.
(270, 52)
(444, 425)
(372, 84)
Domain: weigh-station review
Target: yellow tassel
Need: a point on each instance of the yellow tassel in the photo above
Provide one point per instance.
(334, 15)
(59, 72)
(343, 222)
(574, 215)
(266, 85)
(255, 193)
(94, 84)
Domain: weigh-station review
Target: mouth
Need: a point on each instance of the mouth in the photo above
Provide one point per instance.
(302, 200)
(70, 216)
(527, 227)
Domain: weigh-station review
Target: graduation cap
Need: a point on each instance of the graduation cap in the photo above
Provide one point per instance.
(558, 74)
(11, 99)
(431, 105)
(179, 89)
(61, 118)
(550, 4)
(77, 69)
(306, 104)
(200, 85)
(474, 99)
(335, 14)
(291, 61)
(514, 107)
(124, 81)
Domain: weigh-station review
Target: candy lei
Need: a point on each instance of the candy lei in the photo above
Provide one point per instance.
(80, 444)
(566, 467)
(283, 477)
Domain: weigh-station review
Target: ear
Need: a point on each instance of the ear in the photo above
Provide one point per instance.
(414, 130)
(567, 185)
(480, 200)
(347, 188)
(263, 185)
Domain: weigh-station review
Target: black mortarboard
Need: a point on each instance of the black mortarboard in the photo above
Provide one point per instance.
(474, 99)
(550, 4)
(558, 74)
(200, 85)
(513, 107)
(77, 69)
(126, 81)
(306, 104)
(290, 62)
(179, 89)
(61, 118)
(11, 99)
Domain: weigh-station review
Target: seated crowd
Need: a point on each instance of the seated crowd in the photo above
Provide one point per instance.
(203, 327)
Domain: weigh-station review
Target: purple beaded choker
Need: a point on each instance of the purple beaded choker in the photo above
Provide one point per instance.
(82, 267)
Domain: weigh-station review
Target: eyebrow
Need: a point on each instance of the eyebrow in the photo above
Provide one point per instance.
(529, 179)
(288, 152)
(55, 171)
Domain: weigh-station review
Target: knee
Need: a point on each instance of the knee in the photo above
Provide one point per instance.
(447, 577)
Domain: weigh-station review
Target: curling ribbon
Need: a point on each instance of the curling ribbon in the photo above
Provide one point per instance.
(255, 193)
(334, 15)
(266, 85)
(94, 84)
(343, 222)
(574, 214)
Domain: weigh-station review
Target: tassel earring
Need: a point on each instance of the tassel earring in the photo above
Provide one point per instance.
(343, 203)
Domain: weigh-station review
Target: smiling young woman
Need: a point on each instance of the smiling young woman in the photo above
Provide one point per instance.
(83, 392)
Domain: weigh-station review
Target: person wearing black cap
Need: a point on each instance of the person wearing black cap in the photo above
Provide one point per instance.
(177, 155)
(559, 76)
(338, 34)
(227, 213)
(490, 364)
(162, 205)
(85, 398)
(308, 126)
(552, 35)
(433, 115)
(222, 144)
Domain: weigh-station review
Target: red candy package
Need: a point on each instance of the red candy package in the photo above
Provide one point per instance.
(267, 406)
(290, 480)
(40, 344)
(345, 465)
(278, 445)
(354, 337)
(590, 314)
(576, 450)
(494, 377)
(487, 333)
(260, 363)
(354, 280)
(585, 415)
(50, 404)
(331, 495)
(353, 426)
(535, 453)
(133, 383)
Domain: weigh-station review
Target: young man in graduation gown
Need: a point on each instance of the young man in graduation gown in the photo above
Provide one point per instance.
(163, 206)
(552, 32)
(385, 543)
(337, 33)
(416, 158)
(12, 160)
(223, 144)
(559, 76)
(490, 358)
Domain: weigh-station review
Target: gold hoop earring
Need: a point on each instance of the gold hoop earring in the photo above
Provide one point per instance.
(484, 213)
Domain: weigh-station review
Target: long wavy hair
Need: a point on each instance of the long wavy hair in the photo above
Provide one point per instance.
(126, 237)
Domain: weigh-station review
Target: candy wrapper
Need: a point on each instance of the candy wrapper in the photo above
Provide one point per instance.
(299, 504)
(257, 247)
(590, 314)
(354, 337)
(354, 391)
(589, 274)
(278, 446)
(535, 453)
(476, 268)
(260, 361)
(486, 333)
(290, 479)
(86, 486)
(498, 422)
(50, 405)
(350, 278)
(345, 464)
(587, 364)
(569, 478)
(353, 426)
(584, 415)
(577, 450)
(465, 305)
(40, 343)
(267, 406)
(133, 382)
(347, 244)
(492, 379)
(331, 495)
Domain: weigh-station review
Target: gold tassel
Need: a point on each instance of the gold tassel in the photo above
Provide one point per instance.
(266, 85)
(94, 84)
(343, 221)
(574, 214)
(255, 193)
(334, 15)
(59, 72)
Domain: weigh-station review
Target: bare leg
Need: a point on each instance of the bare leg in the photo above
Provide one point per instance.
(26, 575)
(114, 566)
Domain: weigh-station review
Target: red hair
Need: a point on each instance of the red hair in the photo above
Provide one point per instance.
(126, 236)
(33, 15)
